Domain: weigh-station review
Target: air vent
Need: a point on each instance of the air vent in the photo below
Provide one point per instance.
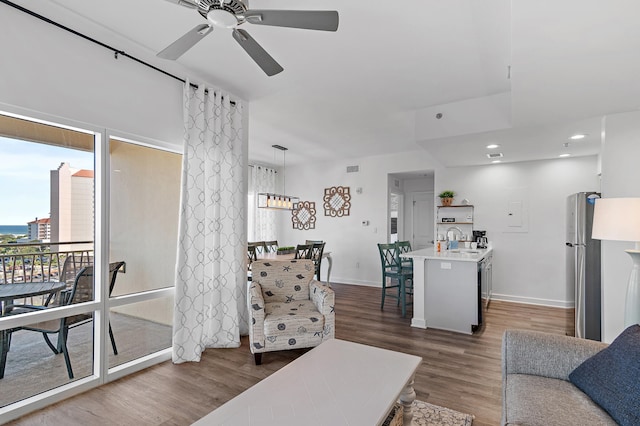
(353, 169)
(495, 155)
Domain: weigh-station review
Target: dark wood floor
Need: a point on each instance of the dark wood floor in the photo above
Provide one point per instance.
(458, 371)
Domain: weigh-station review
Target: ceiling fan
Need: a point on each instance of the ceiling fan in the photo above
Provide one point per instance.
(233, 13)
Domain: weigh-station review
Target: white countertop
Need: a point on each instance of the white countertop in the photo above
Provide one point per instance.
(462, 255)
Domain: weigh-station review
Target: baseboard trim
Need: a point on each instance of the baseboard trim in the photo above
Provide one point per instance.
(533, 301)
(496, 296)
(418, 323)
(339, 280)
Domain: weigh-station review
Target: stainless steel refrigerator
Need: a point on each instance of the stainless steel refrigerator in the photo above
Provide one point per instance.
(583, 265)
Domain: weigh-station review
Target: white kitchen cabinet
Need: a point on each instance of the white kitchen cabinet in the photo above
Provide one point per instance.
(451, 299)
(449, 288)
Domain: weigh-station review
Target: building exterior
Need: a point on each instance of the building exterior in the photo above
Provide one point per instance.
(71, 204)
(40, 230)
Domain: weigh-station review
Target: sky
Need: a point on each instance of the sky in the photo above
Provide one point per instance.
(24, 177)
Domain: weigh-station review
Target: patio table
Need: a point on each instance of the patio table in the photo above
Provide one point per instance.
(9, 292)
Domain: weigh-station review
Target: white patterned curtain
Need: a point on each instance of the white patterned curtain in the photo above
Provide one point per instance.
(262, 179)
(210, 297)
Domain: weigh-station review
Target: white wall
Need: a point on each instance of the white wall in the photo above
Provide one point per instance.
(529, 262)
(50, 74)
(620, 178)
(353, 246)
(529, 266)
(51, 71)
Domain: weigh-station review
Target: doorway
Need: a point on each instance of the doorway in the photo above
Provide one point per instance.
(411, 208)
(422, 219)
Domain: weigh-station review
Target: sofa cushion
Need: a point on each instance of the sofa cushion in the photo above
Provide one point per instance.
(536, 400)
(612, 377)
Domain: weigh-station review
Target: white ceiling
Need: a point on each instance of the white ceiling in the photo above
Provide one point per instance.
(374, 86)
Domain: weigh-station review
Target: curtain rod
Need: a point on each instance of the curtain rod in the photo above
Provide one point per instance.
(93, 40)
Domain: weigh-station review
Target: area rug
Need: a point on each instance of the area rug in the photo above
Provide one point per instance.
(425, 414)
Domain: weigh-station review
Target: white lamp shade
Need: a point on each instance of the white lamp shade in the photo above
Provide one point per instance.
(617, 219)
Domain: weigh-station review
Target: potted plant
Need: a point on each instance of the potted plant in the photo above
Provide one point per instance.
(286, 250)
(446, 197)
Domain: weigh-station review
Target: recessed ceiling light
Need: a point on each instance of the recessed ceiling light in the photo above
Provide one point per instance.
(578, 136)
(493, 146)
(564, 155)
(496, 161)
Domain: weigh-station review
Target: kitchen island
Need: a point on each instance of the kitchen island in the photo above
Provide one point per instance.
(449, 288)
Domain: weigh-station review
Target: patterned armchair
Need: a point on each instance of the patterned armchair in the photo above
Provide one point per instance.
(288, 308)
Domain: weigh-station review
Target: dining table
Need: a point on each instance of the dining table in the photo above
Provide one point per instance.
(289, 256)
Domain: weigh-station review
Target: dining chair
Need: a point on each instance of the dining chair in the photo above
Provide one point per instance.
(261, 246)
(82, 291)
(406, 264)
(272, 246)
(252, 256)
(317, 249)
(392, 270)
(405, 247)
(303, 251)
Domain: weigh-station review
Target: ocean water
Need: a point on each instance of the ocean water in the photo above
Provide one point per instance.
(14, 229)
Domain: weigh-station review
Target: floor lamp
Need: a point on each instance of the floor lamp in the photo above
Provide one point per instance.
(619, 219)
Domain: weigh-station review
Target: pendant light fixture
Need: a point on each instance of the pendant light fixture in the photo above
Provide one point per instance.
(278, 201)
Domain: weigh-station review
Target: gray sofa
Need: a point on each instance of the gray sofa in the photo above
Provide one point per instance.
(535, 380)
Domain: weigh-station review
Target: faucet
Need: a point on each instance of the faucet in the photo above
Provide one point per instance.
(453, 228)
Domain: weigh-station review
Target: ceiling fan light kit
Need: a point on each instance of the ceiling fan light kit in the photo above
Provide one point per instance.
(229, 14)
(221, 18)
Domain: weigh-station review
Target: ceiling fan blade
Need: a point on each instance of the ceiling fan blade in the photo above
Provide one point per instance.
(186, 42)
(257, 53)
(191, 4)
(305, 19)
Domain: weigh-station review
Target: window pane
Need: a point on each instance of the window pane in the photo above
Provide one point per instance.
(32, 367)
(46, 240)
(145, 199)
(140, 329)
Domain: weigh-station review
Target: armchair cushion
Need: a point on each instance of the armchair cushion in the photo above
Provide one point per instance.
(300, 319)
(284, 281)
(611, 377)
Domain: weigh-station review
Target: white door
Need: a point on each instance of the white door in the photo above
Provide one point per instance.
(422, 214)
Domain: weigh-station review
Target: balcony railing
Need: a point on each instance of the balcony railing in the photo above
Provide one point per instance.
(42, 262)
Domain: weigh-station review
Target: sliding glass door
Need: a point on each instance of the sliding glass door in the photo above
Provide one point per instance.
(88, 235)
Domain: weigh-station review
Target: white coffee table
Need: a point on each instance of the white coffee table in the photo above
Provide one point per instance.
(336, 383)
